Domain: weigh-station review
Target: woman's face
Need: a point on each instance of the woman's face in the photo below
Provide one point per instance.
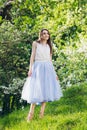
(44, 35)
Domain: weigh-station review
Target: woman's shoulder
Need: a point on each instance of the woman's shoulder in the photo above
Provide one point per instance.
(34, 44)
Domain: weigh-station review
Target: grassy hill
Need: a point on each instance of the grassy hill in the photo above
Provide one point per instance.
(69, 113)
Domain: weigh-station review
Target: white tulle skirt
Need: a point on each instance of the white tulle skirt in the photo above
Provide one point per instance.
(42, 85)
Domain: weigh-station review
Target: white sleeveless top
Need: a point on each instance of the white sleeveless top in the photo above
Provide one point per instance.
(42, 52)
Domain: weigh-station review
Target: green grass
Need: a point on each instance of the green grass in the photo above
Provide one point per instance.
(69, 113)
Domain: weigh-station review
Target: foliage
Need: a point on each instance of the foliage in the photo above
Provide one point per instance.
(15, 53)
(11, 96)
(71, 64)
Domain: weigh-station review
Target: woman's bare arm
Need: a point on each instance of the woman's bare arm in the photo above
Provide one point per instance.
(51, 57)
(32, 58)
(51, 61)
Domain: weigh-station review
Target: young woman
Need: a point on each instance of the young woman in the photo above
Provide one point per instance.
(42, 84)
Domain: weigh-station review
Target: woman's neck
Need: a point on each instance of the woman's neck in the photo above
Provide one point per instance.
(44, 42)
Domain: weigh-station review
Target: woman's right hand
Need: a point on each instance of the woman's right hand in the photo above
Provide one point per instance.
(29, 72)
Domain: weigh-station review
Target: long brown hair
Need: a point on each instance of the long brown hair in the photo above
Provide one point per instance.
(48, 41)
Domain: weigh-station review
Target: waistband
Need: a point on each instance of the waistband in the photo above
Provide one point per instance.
(42, 61)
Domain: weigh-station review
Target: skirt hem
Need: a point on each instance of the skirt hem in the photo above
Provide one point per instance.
(37, 102)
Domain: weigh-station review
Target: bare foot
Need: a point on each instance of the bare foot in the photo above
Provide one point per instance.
(30, 116)
(41, 115)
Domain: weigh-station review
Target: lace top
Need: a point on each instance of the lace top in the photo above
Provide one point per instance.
(42, 52)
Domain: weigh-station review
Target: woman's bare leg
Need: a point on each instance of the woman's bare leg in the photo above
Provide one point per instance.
(42, 109)
(31, 112)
